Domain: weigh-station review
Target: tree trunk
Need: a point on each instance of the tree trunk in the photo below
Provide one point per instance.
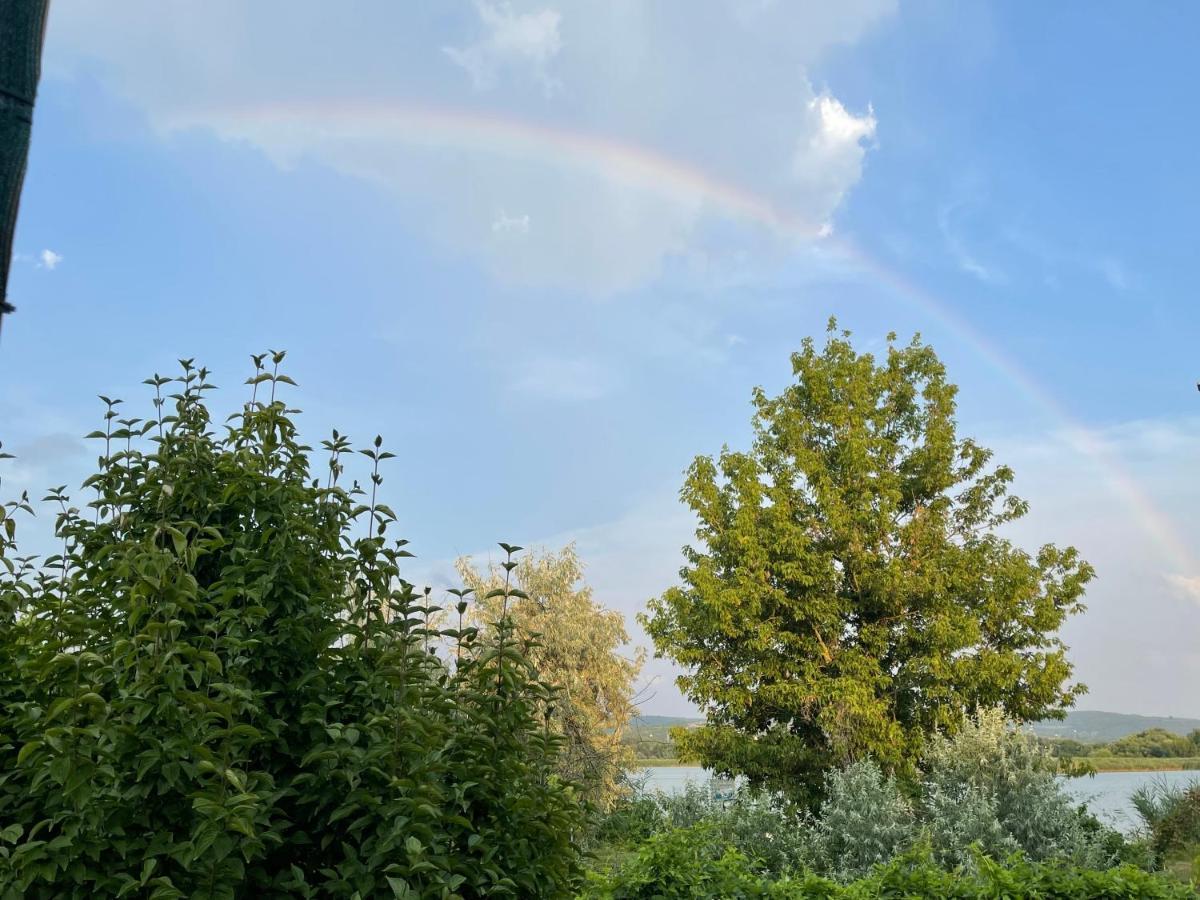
(22, 31)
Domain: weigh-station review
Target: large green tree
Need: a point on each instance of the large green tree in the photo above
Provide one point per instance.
(850, 593)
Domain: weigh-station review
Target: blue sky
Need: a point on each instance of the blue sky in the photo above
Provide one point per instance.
(527, 243)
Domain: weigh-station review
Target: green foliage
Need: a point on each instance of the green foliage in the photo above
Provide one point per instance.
(776, 838)
(1067, 748)
(863, 821)
(990, 789)
(689, 863)
(680, 863)
(1171, 813)
(220, 686)
(631, 820)
(850, 594)
(1155, 743)
(577, 645)
(994, 787)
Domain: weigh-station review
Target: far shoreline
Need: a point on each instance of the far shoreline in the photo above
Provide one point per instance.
(1099, 763)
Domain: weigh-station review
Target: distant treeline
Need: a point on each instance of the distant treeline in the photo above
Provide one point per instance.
(1152, 743)
(653, 741)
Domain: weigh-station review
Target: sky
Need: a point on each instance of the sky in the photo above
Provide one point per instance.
(547, 249)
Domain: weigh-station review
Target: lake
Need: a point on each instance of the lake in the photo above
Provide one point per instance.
(1106, 793)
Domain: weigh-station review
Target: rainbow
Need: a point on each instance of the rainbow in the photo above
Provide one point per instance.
(646, 170)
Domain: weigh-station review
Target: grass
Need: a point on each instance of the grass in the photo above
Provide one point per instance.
(1183, 865)
(654, 761)
(1139, 763)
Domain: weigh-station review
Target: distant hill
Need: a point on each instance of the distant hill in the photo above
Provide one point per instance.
(1090, 726)
(1101, 727)
(661, 721)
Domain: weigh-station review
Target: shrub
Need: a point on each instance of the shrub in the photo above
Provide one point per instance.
(863, 821)
(995, 787)
(680, 863)
(216, 689)
(631, 820)
(990, 789)
(774, 838)
(684, 863)
(1171, 813)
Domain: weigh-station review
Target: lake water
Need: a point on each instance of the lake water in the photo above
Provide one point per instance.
(1106, 793)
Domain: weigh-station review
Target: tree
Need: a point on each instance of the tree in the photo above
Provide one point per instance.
(576, 645)
(850, 594)
(22, 34)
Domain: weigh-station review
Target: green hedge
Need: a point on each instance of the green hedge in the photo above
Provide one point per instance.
(682, 864)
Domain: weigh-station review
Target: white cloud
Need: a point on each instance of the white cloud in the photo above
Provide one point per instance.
(48, 259)
(506, 224)
(513, 40)
(663, 120)
(828, 160)
(1187, 586)
(564, 380)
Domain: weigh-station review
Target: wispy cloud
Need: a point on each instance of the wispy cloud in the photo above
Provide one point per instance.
(1187, 586)
(513, 40)
(47, 259)
(965, 259)
(1057, 259)
(506, 224)
(1114, 272)
(564, 380)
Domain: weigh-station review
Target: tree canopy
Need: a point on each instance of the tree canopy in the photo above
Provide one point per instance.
(578, 646)
(850, 592)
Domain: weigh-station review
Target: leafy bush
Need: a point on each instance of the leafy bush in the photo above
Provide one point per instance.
(1171, 813)
(215, 689)
(631, 820)
(680, 863)
(990, 789)
(996, 787)
(775, 838)
(863, 821)
(689, 863)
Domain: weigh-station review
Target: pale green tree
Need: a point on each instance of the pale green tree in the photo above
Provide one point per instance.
(580, 647)
(850, 593)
